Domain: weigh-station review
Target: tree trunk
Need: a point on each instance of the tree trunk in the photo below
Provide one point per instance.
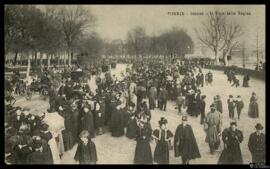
(69, 56)
(15, 58)
(58, 59)
(40, 58)
(217, 57)
(28, 66)
(36, 57)
(225, 58)
(49, 60)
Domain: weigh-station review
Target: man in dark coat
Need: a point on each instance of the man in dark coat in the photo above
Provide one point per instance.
(246, 80)
(231, 106)
(22, 149)
(185, 144)
(52, 98)
(256, 145)
(87, 121)
(17, 119)
(219, 104)
(41, 153)
(152, 97)
(212, 127)
(163, 96)
(239, 106)
(202, 108)
(232, 137)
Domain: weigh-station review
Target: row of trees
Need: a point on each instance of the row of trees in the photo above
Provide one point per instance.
(174, 42)
(47, 30)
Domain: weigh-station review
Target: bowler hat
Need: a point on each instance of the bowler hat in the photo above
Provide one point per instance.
(259, 126)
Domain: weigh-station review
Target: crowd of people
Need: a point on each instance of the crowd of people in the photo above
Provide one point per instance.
(122, 106)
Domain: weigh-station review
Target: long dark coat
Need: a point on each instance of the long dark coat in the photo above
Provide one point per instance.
(202, 111)
(44, 157)
(87, 123)
(20, 154)
(75, 123)
(17, 123)
(161, 153)
(117, 121)
(187, 145)
(256, 145)
(68, 137)
(143, 153)
(219, 106)
(86, 154)
(239, 106)
(232, 152)
(253, 110)
(132, 127)
(100, 115)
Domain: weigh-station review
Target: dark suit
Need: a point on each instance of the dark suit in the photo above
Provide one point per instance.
(256, 145)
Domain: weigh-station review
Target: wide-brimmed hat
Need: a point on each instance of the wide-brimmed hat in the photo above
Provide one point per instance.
(259, 126)
(162, 121)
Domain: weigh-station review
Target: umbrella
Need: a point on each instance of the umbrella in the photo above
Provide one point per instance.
(55, 121)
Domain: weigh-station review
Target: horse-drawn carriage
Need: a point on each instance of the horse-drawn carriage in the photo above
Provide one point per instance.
(41, 86)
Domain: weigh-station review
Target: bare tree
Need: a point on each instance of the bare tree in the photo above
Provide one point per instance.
(136, 39)
(74, 20)
(219, 35)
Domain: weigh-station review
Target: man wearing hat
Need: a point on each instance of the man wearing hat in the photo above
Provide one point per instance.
(239, 104)
(185, 144)
(256, 145)
(232, 137)
(219, 104)
(212, 127)
(163, 139)
(231, 106)
(202, 108)
(41, 153)
(17, 119)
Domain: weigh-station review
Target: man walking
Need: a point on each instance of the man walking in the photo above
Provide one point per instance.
(212, 127)
(256, 145)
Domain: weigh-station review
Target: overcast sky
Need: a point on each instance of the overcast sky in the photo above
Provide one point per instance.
(114, 21)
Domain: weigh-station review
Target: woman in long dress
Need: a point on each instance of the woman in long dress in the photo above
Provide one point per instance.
(253, 110)
(163, 138)
(117, 124)
(87, 122)
(143, 153)
(132, 124)
(54, 148)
